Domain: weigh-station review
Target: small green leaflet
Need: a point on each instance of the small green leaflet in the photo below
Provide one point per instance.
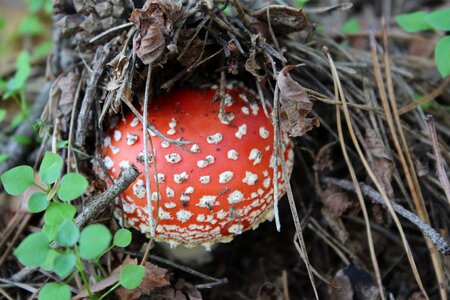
(17, 180)
(413, 22)
(442, 56)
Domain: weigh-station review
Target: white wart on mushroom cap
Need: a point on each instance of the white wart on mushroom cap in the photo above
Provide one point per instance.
(220, 190)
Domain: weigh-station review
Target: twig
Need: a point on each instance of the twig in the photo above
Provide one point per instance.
(105, 33)
(5, 294)
(178, 142)
(102, 201)
(23, 286)
(215, 281)
(368, 191)
(437, 153)
(72, 122)
(151, 221)
(84, 116)
(224, 24)
(299, 240)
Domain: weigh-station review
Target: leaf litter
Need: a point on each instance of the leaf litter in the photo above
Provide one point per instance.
(278, 47)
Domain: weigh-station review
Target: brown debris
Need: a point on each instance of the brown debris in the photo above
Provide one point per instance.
(182, 290)
(195, 47)
(67, 85)
(155, 277)
(336, 201)
(295, 104)
(156, 21)
(382, 164)
(283, 18)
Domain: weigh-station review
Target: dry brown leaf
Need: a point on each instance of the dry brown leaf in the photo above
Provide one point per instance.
(295, 104)
(342, 287)
(323, 160)
(382, 164)
(354, 283)
(155, 277)
(284, 19)
(156, 21)
(181, 290)
(336, 201)
(251, 65)
(195, 47)
(417, 296)
(68, 87)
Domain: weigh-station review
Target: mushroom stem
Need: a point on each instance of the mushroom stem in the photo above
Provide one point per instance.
(188, 256)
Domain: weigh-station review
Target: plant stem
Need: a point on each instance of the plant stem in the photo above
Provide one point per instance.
(83, 275)
(109, 291)
(99, 265)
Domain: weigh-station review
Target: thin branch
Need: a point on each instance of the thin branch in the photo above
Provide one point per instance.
(151, 221)
(368, 191)
(105, 33)
(215, 281)
(102, 201)
(84, 117)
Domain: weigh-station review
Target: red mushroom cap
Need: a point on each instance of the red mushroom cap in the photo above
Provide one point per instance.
(221, 189)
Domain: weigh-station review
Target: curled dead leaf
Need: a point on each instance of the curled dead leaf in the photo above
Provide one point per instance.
(156, 21)
(295, 104)
(68, 86)
(381, 164)
(283, 18)
(251, 65)
(181, 290)
(336, 201)
(155, 277)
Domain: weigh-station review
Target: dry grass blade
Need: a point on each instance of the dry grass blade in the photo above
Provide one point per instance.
(23, 286)
(403, 149)
(442, 174)
(325, 236)
(376, 181)
(151, 221)
(5, 294)
(278, 152)
(355, 180)
(426, 98)
(21, 227)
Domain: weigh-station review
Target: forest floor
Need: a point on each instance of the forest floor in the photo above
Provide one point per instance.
(382, 104)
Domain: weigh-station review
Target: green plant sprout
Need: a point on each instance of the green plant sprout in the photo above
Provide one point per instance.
(34, 26)
(436, 20)
(61, 246)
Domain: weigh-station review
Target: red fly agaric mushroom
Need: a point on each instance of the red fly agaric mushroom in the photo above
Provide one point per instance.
(220, 188)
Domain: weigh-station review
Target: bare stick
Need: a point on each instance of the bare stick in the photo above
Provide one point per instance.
(215, 281)
(89, 97)
(105, 33)
(437, 153)
(102, 201)
(368, 191)
(151, 221)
